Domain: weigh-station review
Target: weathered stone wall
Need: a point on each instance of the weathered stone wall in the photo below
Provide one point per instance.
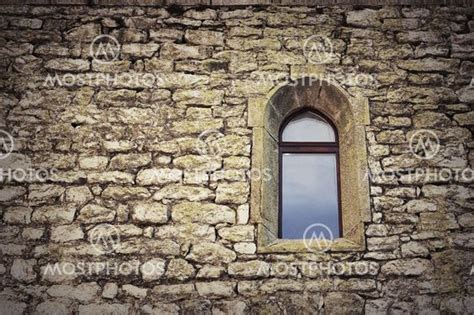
(120, 147)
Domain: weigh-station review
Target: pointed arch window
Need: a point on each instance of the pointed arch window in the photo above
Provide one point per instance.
(309, 175)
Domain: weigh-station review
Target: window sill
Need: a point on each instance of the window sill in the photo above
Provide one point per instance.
(299, 246)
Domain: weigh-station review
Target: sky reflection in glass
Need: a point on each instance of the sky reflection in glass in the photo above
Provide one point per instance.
(308, 127)
(309, 193)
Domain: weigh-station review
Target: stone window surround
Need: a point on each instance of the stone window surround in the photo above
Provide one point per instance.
(351, 115)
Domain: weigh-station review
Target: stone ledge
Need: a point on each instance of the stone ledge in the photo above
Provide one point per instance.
(239, 2)
(299, 246)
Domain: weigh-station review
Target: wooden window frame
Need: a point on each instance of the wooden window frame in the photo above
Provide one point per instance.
(307, 147)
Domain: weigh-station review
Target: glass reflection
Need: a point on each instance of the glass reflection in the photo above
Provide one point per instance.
(309, 193)
(308, 127)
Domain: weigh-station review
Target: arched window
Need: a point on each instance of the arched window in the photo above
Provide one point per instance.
(309, 175)
(306, 134)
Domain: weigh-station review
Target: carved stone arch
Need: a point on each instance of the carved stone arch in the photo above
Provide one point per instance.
(350, 115)
(312, 93)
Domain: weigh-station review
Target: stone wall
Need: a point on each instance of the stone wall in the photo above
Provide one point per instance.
(152, 150)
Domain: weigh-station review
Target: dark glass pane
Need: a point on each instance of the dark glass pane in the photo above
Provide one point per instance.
(308, 127)
(309, 193)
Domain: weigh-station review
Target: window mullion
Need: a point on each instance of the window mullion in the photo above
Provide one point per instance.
(312, 149)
